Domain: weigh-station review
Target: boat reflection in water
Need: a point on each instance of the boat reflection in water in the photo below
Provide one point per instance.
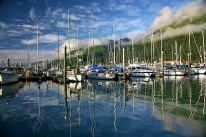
(167, 106)
(10, 91)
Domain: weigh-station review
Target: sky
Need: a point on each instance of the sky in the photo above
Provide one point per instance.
(112, 19)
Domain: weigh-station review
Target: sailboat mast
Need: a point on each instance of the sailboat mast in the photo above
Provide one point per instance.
(162, 62)
(78, 52)
(88, 56)
(132, 50)
(144, 50)
(180, 55)
(161, 41)
(58, 53)
(119, 51)
(176, 53)
(114, 43)
(92, 27)
(203, 46)
(77, 38)
(69, 33)
(189, 45)
(151, 44)
(172, 53)
(37, 63)
(28, 58)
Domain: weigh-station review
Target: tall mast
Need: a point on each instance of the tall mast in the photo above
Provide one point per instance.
(58, 53)
(88, 56)
(43, 57)
(144, 50)
(114, 43)
(176, 57)
(203, 46)
(119, 51)
(28, 58)
(161, 41)
(151, 44)
(180, 55)
(162, 62)
(78, 52)
(92, 28)
(69, 32)
(153, 57)
(189, 45)
(37, 63)
(132, 50)
(77, 38)
(172, 52)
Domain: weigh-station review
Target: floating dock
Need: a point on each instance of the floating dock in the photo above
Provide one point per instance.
(34, 78)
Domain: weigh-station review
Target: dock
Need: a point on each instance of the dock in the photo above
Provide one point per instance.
(34, 78)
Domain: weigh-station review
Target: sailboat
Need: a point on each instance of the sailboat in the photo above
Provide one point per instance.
(107, 74)
(201, 69)
(73, 74)
(96, 72)
(136, 69)
(175, 71)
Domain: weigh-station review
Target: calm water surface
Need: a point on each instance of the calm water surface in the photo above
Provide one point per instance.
(161, 107)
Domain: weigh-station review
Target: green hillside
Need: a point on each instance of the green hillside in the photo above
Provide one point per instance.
(102, 55)
(194, 21)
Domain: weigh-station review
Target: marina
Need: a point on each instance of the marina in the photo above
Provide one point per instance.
(103, 69)
(141, 106)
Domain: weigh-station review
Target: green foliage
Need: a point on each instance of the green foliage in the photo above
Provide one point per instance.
(102, 54)
(193, 21)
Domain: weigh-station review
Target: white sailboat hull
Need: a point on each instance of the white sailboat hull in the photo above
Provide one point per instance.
(76, 77)
(174, 73)
(101, 76)
(141, 73)
(199, 70)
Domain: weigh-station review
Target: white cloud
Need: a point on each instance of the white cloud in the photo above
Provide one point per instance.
(57, 13)
(95, 7)
(82, 44)
(153, 7)
(74, 17)
(32, 14)
(48, 11)
(3, 25)
(16, 55)
(168, 15)
(14, 33)
(61, 24)
(82, 8)
(184, 30)
(48, 38)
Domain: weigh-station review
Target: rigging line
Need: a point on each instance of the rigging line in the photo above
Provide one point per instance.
(196, 43)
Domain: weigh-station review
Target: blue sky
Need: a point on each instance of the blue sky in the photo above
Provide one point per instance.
(19, 18)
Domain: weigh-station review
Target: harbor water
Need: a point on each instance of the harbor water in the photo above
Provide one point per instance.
(140, 107)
